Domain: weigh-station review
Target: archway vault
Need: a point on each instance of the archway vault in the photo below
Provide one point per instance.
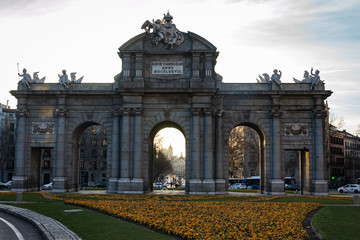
(178, 86)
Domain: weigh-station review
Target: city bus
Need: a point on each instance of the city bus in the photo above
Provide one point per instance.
(252, 182)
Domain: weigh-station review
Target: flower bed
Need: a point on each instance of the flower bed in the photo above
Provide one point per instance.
(207, 217)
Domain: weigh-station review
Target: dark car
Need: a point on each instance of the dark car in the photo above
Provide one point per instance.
(101, 185)
(2, 185)
(292, 187)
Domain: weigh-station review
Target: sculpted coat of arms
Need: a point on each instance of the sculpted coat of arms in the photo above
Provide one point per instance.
(164, 31)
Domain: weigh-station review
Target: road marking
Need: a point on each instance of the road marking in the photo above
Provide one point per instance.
(17, 233)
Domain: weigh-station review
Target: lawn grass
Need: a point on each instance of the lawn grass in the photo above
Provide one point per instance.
(322, 200)
(87, 224)
(338, 222)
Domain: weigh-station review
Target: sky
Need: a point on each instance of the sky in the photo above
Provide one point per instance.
(251, 36)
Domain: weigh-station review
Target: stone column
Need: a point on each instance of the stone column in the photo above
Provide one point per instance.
(60, 179)
(277, 184)
(19, 179)
(124, 181)
(208, 182)
(195, 181)
(137, 181)
(220, 181)
(115, 145)
(319, 182)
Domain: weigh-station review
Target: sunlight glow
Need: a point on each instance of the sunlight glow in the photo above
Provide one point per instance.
(175, 138)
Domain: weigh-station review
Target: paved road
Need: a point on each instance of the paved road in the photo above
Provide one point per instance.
(12, 228)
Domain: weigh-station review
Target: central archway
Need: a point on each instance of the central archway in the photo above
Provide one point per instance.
(151, 157)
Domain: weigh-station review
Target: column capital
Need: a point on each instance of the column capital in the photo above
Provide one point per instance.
(138, 111)
(319, 113)
(196, 111)
(21, 113)
(219, 112)
(116, 113)
(208, 111)
(276, 113)
(60, 112)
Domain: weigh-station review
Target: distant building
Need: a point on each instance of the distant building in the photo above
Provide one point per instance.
(337, 163)
(7, 142)
(352, 157)
(178, 165)
(93, 156)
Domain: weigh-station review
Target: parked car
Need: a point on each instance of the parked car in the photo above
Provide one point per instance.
(8, 184)
(101, 185)
(2, 185)
(47, 186)
(349, 188)
(292, 187)
(158, 185)
(238, 186)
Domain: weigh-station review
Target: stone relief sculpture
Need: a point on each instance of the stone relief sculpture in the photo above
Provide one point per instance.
(312, 78)
(43, 127)
(64, 79)
(27, 80)
(274, 78)
(164, 31)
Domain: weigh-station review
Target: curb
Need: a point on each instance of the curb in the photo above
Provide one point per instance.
(49, 228)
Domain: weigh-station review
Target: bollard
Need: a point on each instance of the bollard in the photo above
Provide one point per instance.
(356, 200)
(19, 197)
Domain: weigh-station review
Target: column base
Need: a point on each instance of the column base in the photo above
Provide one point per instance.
(208, 186)
(123, 185)
(59, 184)
(320, 188)
(19, 184)
(195, 186)
(277, 187)
(220, 186)
(113, 185)
(137, 186)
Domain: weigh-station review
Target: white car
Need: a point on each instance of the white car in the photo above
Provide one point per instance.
(350, 188)
(47, 186)
(238, 186)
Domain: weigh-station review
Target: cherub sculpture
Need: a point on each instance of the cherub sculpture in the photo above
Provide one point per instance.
(312, 78)
(26, 80)
(274, 78)
(63, 79)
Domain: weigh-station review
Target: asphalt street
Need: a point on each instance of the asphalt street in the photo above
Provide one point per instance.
(12, 228)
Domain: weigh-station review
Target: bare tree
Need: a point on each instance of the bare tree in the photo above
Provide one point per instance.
(161, 164)
(336, 120)
(358, 130)
(236, 151)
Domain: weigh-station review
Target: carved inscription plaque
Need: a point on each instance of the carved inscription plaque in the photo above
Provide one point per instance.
(296, 129)
(167, 67)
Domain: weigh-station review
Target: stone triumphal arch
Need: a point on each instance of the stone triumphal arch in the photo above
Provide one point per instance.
(168, 78)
